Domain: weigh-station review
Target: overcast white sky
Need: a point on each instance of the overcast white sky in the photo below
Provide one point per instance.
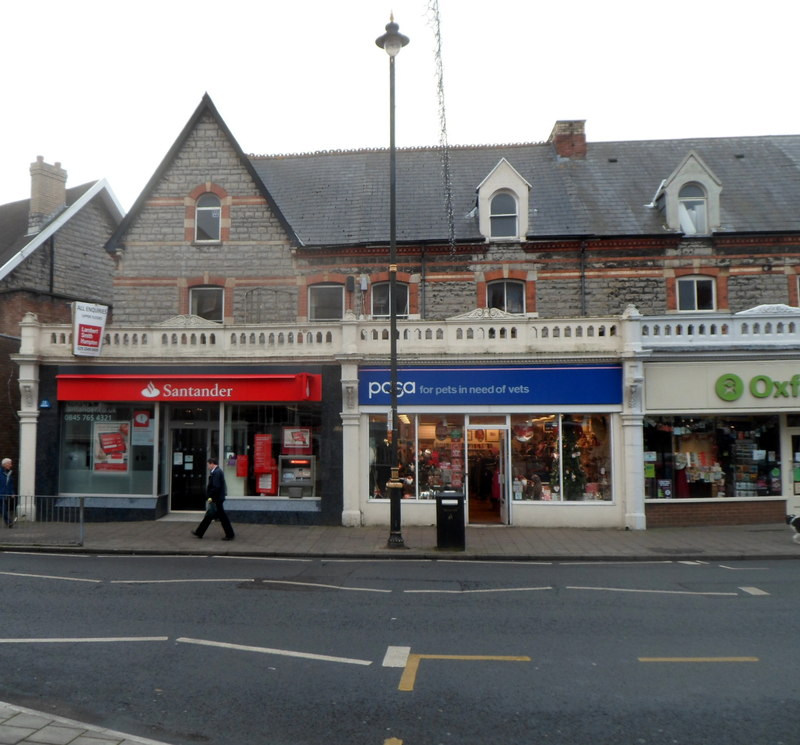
(106, 87)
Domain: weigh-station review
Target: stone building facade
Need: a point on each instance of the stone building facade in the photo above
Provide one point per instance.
(529, 329)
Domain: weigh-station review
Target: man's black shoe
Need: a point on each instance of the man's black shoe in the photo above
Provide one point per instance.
(228, 538)
(196, 534)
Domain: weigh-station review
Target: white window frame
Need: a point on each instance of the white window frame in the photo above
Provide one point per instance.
(328, 288)
(383, 287)
(694, 281)
(196, 295)
(504, 218)
(693, 209)
(205, 210)
(506, 284)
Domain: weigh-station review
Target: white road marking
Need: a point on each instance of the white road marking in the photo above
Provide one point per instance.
(465, 592)
(744, 569)
(753, 591)
(175, 581)
(281, 652)
(86, 640)
(656, 592)
(49, 576)
(487, 561)
(326, 587)
(396, 656)
(605, 563)
(262, 558)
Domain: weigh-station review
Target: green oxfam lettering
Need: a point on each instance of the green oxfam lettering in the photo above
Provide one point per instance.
(730, 387)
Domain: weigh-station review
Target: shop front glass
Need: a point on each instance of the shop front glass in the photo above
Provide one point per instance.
(272, 450)
(106, 448)
(553, 457)
(712, 457)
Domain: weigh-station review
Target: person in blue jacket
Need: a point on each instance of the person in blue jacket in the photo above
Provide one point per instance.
(8, 494)
(216, 491)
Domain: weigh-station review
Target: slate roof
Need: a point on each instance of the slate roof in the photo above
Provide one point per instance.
(341, 198)
(14, 221)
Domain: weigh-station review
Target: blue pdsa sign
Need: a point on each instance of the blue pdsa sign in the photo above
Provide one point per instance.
(487, 386)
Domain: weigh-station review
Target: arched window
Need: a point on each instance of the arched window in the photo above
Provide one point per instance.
(208, 218)
(506, 295)
(207, 302)
(504, 216)
(380, 300)
(692, 209)
(696, 293)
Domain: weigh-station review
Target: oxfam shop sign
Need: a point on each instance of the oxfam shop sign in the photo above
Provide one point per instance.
(731, 387)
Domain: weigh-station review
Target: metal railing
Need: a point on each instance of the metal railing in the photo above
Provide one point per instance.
(43, 521)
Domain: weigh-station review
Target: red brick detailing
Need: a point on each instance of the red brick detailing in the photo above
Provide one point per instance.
(676, 513)
(793, 295)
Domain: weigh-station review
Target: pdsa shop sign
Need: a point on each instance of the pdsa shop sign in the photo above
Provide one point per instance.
(88, 326)
(485, 386)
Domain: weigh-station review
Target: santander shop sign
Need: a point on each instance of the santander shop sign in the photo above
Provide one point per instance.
(173, 388)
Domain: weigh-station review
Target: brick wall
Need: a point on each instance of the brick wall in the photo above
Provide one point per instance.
(676, 513)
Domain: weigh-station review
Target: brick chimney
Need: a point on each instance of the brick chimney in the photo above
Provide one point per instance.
(48, 193)
(569, 139)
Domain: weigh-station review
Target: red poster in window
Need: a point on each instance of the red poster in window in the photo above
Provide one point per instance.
(262, 447)
(241, 466)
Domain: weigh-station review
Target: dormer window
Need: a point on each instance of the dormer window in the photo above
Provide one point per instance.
(692, 209)
(504, 216)
(503, 204)
(208, 218)
(690, 197)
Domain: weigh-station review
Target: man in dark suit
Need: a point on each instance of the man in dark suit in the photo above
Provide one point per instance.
(216, 491)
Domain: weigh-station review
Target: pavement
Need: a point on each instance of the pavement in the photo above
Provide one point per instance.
(172, 536)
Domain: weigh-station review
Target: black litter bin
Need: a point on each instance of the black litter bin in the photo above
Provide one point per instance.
(450, 530)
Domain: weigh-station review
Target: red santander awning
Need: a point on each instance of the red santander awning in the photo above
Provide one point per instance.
(168, 388)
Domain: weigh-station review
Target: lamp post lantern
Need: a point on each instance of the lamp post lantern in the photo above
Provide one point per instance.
(392, 42)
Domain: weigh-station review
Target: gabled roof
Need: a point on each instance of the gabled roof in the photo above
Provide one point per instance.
(206, 106)
(16, 244)
(342, 198)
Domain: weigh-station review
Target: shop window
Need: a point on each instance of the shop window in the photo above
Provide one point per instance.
(560, 457)
(554, 457)
(380, 462)
(208, 218)
(273, 450)
(207, 302)
(712, 457)
(106, 448)
(696, 293)
(380, 300)
(506, 295)
(326, 302)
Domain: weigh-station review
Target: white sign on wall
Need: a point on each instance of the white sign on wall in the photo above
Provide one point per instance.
(88, 327)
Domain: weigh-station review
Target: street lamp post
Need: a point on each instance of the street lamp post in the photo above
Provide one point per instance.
(392, 42)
